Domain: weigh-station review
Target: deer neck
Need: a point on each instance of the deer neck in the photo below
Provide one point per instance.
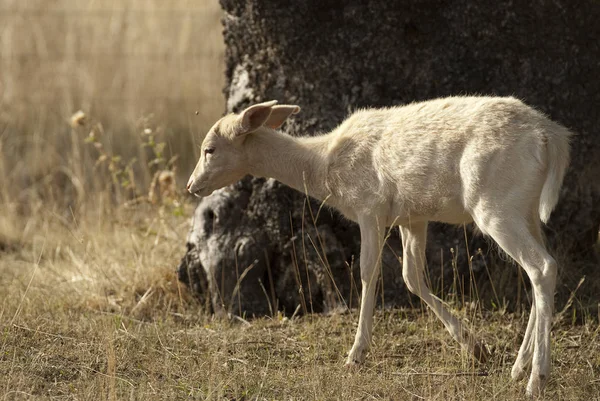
(297, 162)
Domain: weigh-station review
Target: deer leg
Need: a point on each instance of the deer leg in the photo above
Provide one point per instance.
(516, 237)
(413, 264)
(372, 231)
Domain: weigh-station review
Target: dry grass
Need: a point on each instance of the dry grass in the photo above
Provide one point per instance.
(128, 64)
(90, 304)
(96, 313)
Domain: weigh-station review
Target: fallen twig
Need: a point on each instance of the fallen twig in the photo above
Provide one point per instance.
(445, 374)
(43, 332)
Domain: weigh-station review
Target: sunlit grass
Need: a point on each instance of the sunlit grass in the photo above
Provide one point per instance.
(127, 65)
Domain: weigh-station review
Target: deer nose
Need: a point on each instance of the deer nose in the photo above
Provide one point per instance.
(189, 185)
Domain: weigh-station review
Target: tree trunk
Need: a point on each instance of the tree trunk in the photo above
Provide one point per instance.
(257, 246)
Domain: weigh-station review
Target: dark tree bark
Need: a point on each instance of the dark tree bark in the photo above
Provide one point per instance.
(331, 57)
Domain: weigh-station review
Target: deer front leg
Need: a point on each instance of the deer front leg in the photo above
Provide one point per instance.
(372, 239)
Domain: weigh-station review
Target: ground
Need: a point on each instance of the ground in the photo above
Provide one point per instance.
(93, 310)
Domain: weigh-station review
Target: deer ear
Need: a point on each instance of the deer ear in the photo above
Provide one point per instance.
(255, 117)
(279, 114)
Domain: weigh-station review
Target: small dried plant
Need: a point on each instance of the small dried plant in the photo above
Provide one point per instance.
(119, 175)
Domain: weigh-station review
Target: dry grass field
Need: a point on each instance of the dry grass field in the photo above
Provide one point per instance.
(90, 305)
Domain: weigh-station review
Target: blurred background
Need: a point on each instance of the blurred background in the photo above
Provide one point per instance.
(140, 74)
(103, 106)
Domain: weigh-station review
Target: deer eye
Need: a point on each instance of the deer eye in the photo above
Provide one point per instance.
(209, 151)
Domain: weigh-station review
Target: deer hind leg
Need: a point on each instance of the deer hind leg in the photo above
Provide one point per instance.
(525, 356)
(523, 361)
(518, 237)
(413, 265)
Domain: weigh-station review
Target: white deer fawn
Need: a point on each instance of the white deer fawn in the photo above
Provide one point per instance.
(490, 160)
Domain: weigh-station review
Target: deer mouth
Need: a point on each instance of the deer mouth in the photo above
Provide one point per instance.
(198, 193)
(202, 192)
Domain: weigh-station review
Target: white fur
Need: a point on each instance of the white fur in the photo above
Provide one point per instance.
(491, 160)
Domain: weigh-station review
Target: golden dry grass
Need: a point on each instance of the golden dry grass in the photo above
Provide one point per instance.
(90, 303)
(102, 317)
(127, 64)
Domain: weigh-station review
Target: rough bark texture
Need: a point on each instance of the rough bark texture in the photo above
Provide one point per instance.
(331, 57)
